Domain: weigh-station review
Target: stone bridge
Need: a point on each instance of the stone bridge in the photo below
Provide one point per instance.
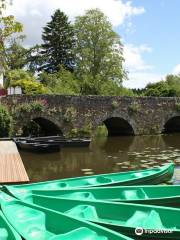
(121, 115)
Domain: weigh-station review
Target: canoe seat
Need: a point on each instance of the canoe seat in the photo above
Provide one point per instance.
(83, 211)
(37, 233)
(33, 222)
(79, 195)
(26, 214)
(62, 184)
(81, 233)
(136, 219)
(146, 220)
(97, 180)
(153, 220)
(55, 185)
(133, 194)
(101, 179)
(3, 234)
(140, 174)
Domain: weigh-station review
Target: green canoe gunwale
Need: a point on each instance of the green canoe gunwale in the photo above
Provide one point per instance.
(143, 194)
(160, 216)
(14, 209)
(148, 176)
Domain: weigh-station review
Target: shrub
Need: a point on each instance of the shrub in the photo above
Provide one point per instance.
(5, 122)
(32, 107)
(70, 114)
(177, 107)
(134, 108)
(114, 104)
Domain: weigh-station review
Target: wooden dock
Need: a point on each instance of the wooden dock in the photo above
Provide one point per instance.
(12, 169)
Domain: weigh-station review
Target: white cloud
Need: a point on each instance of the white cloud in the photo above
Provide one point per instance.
(133, 57)
(176, 69)
(140, 72)
(34, 14)
(141, 79)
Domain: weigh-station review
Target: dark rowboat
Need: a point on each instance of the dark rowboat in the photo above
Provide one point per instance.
(47, 138)
(63, 142)
(38, 147)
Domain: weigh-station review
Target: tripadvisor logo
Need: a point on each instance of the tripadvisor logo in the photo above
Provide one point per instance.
(139, 231)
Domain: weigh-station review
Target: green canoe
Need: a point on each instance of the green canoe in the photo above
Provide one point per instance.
(121, 217)
(37, 223)
(150, 176)
(157, 194)
(6, 231)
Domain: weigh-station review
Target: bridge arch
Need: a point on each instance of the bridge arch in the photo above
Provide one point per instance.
(172, 124)
(47, 126)
(117, 126)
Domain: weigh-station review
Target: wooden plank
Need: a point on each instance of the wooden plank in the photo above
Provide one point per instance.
(12, 169)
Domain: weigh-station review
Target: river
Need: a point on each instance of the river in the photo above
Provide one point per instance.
(106, 155)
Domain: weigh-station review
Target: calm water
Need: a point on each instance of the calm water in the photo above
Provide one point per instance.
(106, 155)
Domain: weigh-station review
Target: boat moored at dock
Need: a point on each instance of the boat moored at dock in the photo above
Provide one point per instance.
(149, 176)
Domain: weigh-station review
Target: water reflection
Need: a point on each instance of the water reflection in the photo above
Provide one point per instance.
(105, 155)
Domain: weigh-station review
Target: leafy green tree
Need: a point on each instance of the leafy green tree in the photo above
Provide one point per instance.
(111, 88)
(63, 82)
(24, 80)
(16, 75)
(58, 42)
(16, 55)
(98, 51)
(160, 89)
(170, 87)
(34, 59)
(30, 87)
(3, 4)
(9, 27)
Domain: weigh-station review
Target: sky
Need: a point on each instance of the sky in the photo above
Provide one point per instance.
(149, 30)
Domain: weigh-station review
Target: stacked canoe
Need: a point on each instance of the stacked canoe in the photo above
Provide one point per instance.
(100, 207)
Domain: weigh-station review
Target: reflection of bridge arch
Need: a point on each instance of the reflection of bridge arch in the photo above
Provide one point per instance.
(118, 126)
(48, 126)
(172, 125)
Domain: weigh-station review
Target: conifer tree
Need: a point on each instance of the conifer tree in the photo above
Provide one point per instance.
(58, 41)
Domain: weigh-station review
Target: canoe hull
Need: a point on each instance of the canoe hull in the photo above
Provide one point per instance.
(151, 194)
(6, 230)
(121, 217)
(153, 175)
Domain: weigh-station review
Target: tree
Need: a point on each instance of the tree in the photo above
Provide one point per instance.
(98, 52)
(170, 87)
(16, 55)
(3, 4)
(34, 59)
(111, 88)
(26, 81)
(62, 82)
(9, 27)
(57, 48)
